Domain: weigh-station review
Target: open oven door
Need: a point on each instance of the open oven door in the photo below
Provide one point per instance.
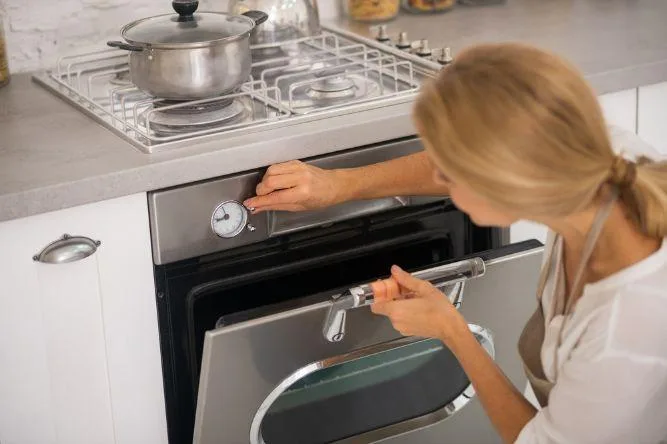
(331, 371)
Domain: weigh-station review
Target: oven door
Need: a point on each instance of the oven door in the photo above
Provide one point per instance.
(283, 378)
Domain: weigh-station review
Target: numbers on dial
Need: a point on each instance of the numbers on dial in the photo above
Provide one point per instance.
(228, 219)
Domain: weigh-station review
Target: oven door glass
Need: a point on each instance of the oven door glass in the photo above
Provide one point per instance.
(275, 374)
(368, 394)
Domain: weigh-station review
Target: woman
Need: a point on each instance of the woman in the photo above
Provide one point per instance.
(515, 133)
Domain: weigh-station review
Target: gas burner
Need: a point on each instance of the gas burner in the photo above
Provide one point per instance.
(121, 79)
(187, 118)
(332, 86)
(339, 87)
(196, 108)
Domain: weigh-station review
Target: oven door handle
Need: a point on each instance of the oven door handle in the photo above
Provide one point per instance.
(449, 278)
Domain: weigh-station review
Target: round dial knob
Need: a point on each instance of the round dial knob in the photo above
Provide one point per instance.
(229, 218)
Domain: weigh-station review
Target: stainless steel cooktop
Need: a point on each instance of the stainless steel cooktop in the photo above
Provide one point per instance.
(314, 78)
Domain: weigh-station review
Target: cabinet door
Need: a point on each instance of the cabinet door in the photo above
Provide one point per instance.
(78, 341)
(620, 109)
(652, 108)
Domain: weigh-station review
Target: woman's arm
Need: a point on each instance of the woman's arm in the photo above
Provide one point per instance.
(506, 406)
(296, 186)
(416, 308)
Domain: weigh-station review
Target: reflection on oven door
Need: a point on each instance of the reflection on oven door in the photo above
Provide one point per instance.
(367, 395)
(277, 379)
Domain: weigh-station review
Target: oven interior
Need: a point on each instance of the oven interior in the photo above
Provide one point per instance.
(203, 293)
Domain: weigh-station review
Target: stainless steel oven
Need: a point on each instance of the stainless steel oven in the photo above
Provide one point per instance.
(265, 330)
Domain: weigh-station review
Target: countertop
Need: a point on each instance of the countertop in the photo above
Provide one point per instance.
(53, 156)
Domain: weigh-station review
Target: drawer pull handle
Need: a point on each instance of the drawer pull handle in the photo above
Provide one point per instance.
(67, 249)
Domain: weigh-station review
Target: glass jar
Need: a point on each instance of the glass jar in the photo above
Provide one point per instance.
(371, 10)
(481, 2)
(428, 6)
(4, 64)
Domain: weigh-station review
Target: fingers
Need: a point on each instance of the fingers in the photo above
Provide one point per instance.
(384, 308)
(379, 289)
(283, 176)
(385, 290)
(281, 200)
(285, 167)
(278, 182)
(410, 283)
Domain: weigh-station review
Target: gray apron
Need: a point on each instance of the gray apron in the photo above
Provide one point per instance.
(532, 337)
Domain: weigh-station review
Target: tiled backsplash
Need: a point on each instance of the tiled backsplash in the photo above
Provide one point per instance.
(39, 31)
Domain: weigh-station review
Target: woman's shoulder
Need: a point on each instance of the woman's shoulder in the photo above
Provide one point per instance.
(630, 145)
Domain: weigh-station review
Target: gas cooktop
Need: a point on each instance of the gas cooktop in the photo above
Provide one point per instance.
(313, 78)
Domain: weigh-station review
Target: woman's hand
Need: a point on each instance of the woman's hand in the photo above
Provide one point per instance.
(296, 186)
(417, 308)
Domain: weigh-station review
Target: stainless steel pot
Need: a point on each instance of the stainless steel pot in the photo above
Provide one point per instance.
(288, 20)
(190, 56)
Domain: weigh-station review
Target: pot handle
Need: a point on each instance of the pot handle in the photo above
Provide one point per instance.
(185, 9)
(258, 17)
(125, 46)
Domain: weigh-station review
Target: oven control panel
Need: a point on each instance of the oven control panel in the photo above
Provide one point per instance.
(207, 217)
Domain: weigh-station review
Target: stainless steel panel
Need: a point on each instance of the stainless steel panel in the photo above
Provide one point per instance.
(243, 363)
(180, 217)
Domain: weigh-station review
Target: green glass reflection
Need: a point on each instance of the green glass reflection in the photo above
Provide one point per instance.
(357, 374)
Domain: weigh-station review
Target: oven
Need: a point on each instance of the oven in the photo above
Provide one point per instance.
(266, 335)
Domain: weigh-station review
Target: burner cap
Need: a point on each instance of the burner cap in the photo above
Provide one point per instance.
(332, 88)
(189, 118)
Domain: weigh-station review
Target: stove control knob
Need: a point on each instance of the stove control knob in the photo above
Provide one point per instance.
(424, 49)
(445, 56)
(403, 43)
(383, 35)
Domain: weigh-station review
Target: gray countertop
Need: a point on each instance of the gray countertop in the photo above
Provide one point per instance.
(52, 156)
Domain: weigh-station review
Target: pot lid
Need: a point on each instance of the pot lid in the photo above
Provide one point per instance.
(187, 28)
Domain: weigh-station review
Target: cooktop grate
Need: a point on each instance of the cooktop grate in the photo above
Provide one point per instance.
(310, 78)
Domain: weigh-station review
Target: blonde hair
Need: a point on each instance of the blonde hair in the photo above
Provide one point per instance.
(523, 129)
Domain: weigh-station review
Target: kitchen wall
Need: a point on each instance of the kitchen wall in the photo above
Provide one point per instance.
(37, 32)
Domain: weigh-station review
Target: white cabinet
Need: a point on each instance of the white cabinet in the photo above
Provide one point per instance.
(525, 230)
(652, 123)
(79, 347)
(620, 109)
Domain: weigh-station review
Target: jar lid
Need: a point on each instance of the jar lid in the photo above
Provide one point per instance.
(187, 28)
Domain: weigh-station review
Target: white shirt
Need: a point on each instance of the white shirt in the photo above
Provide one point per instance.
(610, 369)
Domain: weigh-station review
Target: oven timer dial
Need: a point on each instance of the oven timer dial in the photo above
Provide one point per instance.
(229, 219)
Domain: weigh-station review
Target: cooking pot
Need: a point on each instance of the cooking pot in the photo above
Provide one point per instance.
(188, 56)
(288, 20)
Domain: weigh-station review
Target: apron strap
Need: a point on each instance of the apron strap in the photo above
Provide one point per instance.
(589, 246)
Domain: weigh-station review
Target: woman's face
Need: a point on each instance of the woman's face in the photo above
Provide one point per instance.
(480, 210)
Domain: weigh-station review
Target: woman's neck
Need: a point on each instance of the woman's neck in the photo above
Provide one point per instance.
(620, 244)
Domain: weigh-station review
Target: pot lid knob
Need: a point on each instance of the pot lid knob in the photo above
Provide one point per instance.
(185, 9)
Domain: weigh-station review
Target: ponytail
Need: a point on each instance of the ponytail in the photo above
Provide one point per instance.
(646, 197)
